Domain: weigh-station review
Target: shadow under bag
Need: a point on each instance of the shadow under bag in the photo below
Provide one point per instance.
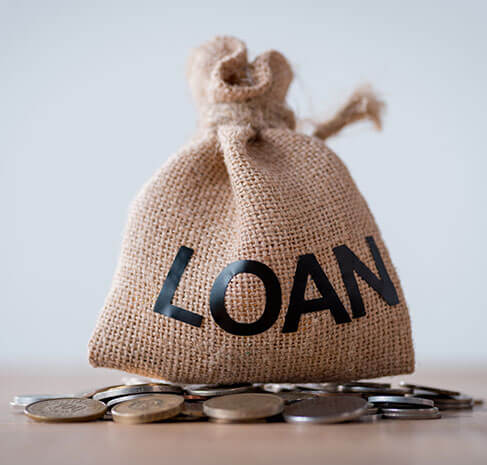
(251, 256)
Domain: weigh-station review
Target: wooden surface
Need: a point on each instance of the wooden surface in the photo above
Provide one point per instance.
(458, 438)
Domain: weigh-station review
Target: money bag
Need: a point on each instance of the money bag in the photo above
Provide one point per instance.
(250, 255)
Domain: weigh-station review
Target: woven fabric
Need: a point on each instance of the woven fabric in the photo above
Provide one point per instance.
(247, 187)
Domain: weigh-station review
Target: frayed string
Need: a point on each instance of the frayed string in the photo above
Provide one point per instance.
(362, 105)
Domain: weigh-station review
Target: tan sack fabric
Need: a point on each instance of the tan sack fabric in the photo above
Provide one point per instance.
(251, 256)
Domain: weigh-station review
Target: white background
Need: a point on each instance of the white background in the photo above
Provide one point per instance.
(93, 99)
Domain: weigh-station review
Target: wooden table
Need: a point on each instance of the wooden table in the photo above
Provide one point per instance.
(459, 438)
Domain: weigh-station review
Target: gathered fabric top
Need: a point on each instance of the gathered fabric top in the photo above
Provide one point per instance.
(230, 90)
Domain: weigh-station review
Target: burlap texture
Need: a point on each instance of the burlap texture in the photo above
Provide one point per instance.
(248, 186)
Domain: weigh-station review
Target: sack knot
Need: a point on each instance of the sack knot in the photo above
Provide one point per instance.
(254, 114)
(230, 90)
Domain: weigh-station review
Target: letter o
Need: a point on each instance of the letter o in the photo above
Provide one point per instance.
(273, 298)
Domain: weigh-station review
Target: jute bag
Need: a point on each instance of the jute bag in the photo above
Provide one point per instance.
(251, 256)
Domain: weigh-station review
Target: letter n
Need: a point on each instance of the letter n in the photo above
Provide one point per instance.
(350, 264)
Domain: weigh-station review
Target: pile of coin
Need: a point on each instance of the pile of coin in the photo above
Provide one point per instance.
(138, 401)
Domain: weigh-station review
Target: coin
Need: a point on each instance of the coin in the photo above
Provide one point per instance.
(369, 418)
(194, 409)
(185, 418)
(446, 402)
(191, 398)
(278, 387)
(219, 390)
(326, 410)
(146, 409)
(333, 394)
(243, 406)
(124, 390)
(368, 384)
(461, 401)
(372, 390)
(412, 411)
(411, 414)
(26, 399)
(119, 400)
(130, 380)
(189, 387)
(66, 409)
(372, 410)
(234, 422)
(294, 396)
(398, 401)
(328, 387)
(445, 392)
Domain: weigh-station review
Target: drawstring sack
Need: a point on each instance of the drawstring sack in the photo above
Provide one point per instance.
(251, 256)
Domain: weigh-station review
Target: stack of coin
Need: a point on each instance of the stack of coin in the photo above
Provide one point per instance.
(444, 399)
(405, 408)
(140, 401)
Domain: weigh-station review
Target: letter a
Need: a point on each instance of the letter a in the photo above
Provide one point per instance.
(309, 266)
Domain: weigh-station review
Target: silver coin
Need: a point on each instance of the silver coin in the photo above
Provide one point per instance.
(26, 399)
(219, 390)
(446, 402)
(369, 418)
(119, 400)
(455, 404)
(455, 407)
(278, 387)
(294, 396)
(189, 387)
(131, 380)
(458, 399)
(412, 411)
(333, 394)
(366, 384)
(334, 409)
(435, 390)
(328, 387)
(413, 414)
(399, 401)
(375, 391)
(123, 390)
(236, 422)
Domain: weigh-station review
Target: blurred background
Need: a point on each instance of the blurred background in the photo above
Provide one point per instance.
(93, 99)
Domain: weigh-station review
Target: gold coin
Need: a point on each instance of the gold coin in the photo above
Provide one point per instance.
(66, 409)
(243, 406)
(147, 409)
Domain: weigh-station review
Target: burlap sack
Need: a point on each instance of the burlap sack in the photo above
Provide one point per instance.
(251, 255)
